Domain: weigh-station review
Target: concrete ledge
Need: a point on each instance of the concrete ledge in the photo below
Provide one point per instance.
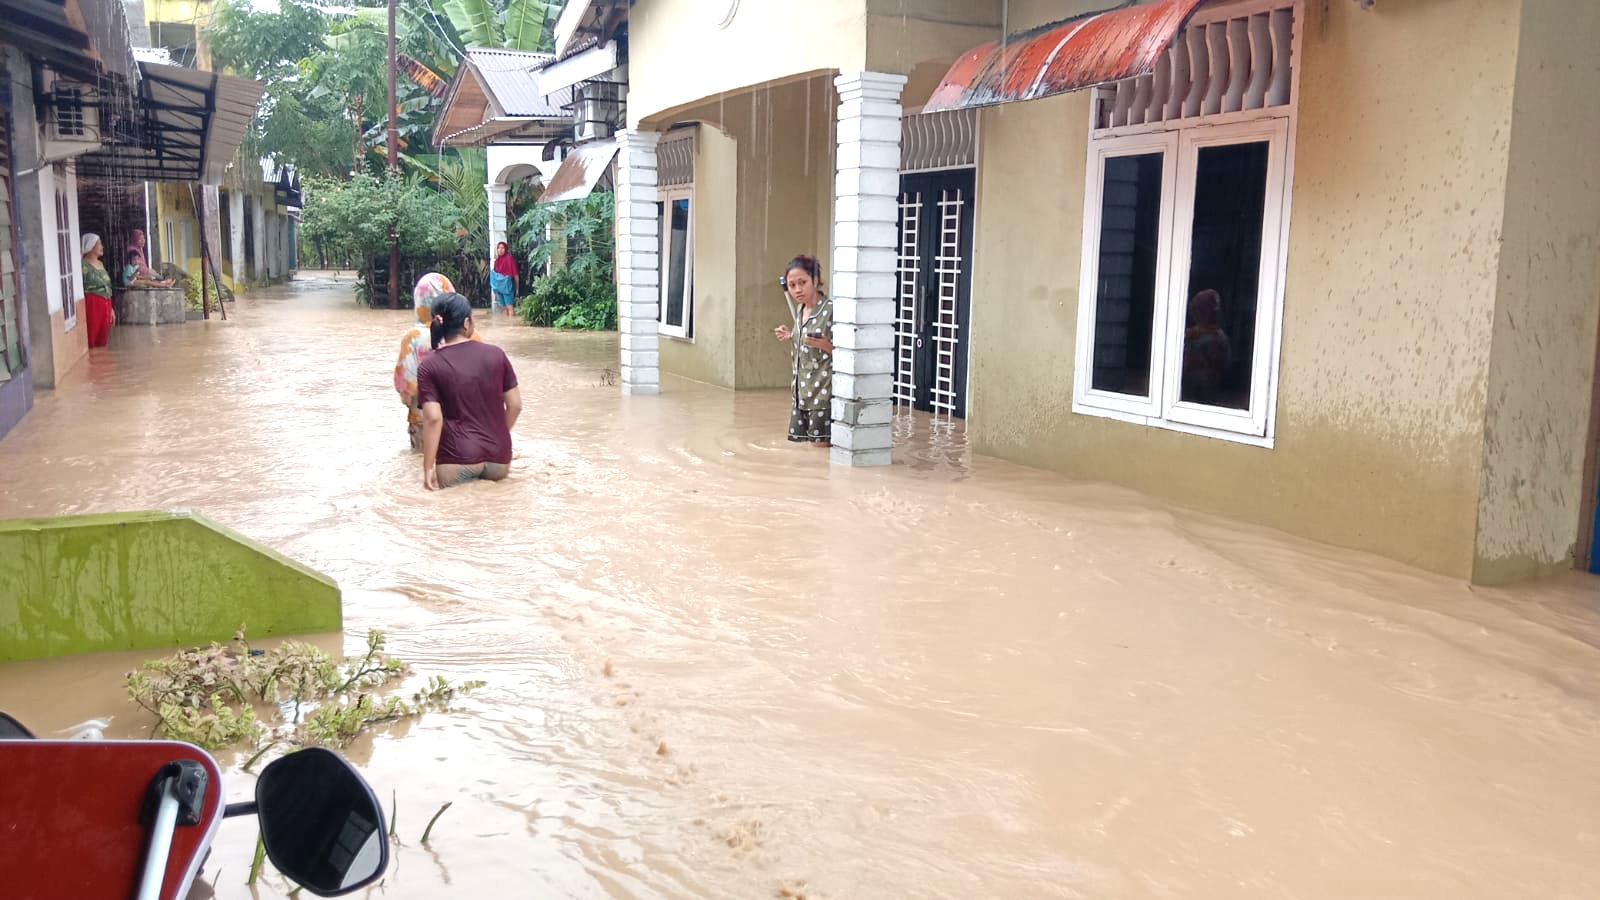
(148, 580)
(150, 306)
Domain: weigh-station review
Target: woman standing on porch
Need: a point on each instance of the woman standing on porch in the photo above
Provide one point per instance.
(812, 336)
(503, 279)
(96, 290)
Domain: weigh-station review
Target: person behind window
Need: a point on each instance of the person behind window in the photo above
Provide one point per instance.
(503, 279)
(812, 337)
(96, 290)
(1206, 349)
(470, 401)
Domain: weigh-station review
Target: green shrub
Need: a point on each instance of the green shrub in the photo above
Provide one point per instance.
(191, 294)
(568, 299)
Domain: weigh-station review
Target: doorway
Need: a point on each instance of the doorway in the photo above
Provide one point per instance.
(1587, 550)
(934, 291)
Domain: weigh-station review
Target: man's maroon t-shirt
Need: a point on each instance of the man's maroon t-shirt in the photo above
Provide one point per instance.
(469, 380)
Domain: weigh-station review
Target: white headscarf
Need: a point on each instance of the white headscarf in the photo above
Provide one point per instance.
(87, 242)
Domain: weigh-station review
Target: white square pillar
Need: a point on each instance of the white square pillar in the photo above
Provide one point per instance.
(638, 262)
(497, 217)
(866, 195)
(284, 254)
(236, 226)
(273, 270)
(258, 261)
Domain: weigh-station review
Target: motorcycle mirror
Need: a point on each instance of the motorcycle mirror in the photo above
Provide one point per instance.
(320, 822)
(12, 730)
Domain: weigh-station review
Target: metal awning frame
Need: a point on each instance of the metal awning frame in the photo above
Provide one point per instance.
(189, 126)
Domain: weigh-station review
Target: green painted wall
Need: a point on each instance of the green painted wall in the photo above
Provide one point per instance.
(123, 581)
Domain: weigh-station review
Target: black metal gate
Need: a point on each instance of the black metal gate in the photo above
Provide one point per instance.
(934, 291)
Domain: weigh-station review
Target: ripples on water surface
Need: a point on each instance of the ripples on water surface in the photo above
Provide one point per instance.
(955, 678)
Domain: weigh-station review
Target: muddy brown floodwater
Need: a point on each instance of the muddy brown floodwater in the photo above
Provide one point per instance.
(719, 668)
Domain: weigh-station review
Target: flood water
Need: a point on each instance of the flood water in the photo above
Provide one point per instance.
(718, 667)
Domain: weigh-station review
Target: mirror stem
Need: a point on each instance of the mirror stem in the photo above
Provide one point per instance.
(239, 809)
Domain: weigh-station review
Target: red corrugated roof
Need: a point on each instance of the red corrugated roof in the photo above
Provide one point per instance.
(1065, 56)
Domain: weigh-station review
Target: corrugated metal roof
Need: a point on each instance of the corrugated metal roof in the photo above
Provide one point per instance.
(580, 171)
(521, 130)
(1078, 53)
(507, 76)
(497, 93)
(193, 122)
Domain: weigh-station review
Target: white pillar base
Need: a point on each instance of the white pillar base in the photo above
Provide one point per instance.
(866, 200)
(497, 217)
(638, 263)
(236, 227)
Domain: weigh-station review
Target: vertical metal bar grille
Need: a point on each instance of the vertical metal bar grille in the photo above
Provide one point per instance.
(1212, 68)
(909, 269)
(675, 158)
(943, 140)
(946, 326)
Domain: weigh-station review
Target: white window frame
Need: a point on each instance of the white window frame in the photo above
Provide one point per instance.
(1085, 397)
(1181, 141)
(67, 246)
(1269, 294)
(667, 197)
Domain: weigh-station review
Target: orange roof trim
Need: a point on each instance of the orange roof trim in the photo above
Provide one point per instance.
(1079, 53)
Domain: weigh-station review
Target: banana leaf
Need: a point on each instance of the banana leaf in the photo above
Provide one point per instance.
(474, 20)
(525, 24)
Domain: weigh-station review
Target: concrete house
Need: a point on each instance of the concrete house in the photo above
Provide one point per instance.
(84, 124)
(1326, 265)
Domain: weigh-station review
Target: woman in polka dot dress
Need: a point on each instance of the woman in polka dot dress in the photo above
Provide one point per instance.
(812, 337)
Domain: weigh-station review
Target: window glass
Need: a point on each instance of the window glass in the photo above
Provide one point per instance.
(676, 282)
(1224, 275)
(1130, 237)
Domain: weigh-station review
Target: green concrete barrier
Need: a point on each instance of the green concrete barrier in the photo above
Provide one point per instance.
(147, 580)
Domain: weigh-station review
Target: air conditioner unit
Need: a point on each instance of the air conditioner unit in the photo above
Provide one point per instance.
(71, 113)
(597, 110)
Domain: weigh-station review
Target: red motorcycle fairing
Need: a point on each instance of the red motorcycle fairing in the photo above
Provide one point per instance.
(70, 818)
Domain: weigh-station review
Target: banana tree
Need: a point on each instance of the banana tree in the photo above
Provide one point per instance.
(511, 25)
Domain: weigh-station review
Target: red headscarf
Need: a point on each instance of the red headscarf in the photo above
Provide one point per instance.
(506, 264)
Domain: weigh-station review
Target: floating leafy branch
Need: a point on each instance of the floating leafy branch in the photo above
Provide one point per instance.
(211, 696)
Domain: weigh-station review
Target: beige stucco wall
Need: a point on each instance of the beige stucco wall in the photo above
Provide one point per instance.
(921, 38)
(785, 208)
(1542, 362)
(709, 356)
(1398, 197)
(777, 144)
(69, 346)
(678, 57)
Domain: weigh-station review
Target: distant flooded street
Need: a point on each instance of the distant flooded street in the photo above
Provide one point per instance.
(718, 667)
